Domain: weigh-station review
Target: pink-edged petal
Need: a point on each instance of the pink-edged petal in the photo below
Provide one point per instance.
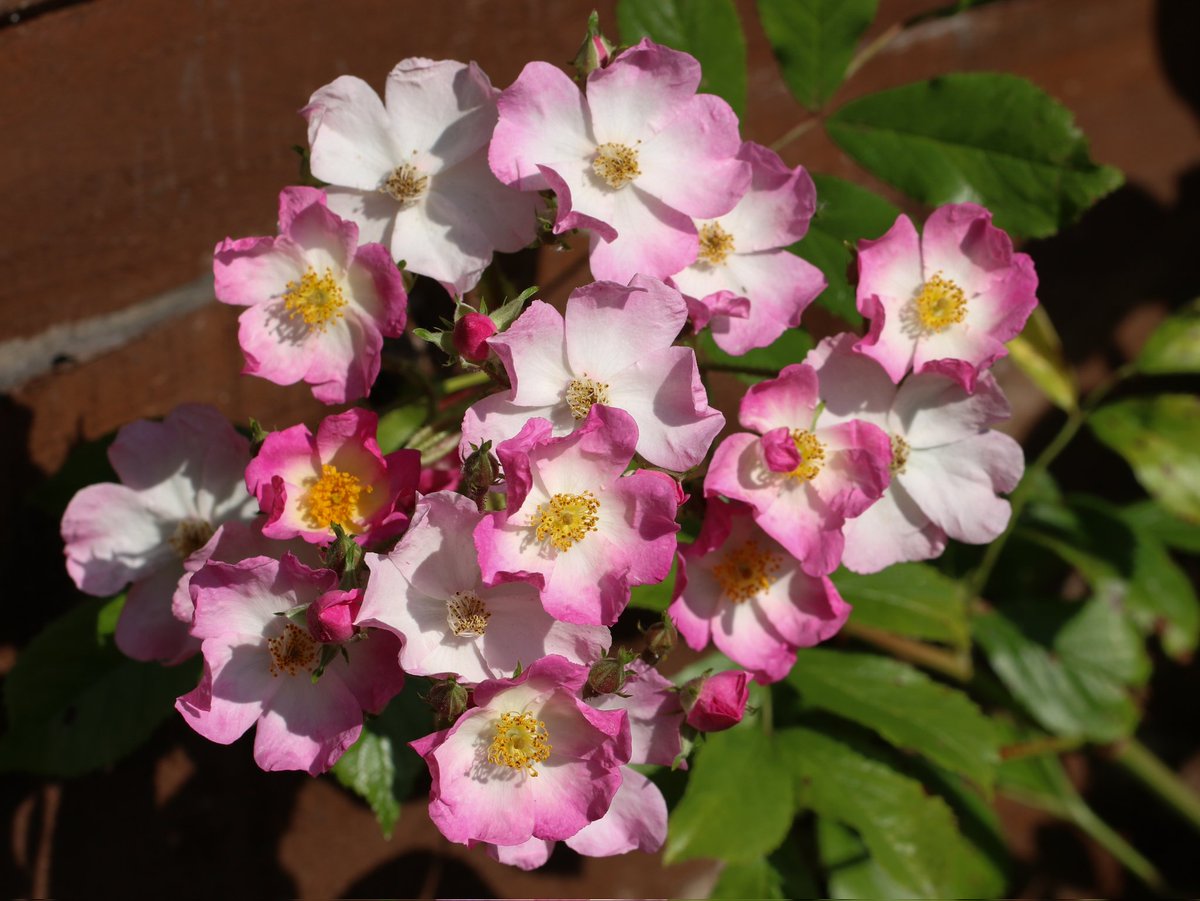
(584, 201)
(640, 92)
(932, 410)
(322, 238)
(779, 285)
(230, 697)
(533, 351)
(647, 502)
(307, 726)
(776, 209)
(790, 401)
(526, 856)
(543, 121)
(652, 239)
(636, 821)
(372, 210)
(349, 133)
(440, 107)
(588, 583)
(112, 538)
(591, 457)
(779, 450)
(514, 455)
(147, 628)
(892, 530)
(858, 467)
(496, 418)
(373, 674)
(955, 485)
(597, 329)
(720, 303)
(690, 164)
(961, 354)
(249, 271)
(378, 287)
(852, 386)
(652, 706)
(889, 277)
(294, 200)
(746, 634)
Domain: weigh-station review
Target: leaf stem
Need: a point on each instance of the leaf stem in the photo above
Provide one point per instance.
(955, 665)
(868, 52)
(793, 133)
(740, 369)
(1141, 763)
(465, 380)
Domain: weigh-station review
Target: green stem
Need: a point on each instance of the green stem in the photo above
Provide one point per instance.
(868, 52)
(955, 665)
(1137, 760)
(766, 712)
(465, 380)
(1129, 856)
(740, 369)
(793, 133)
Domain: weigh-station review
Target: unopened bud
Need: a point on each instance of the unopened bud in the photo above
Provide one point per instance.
(607, 676)
(479, 473)
(449, 700)
(331, 616)
(717, 702)
(596, 50)
(661, 639)
(471, 334)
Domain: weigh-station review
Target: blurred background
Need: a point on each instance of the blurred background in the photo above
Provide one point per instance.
(137, 134)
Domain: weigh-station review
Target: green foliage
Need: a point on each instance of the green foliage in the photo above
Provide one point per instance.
(813, 41)
(399, 424)
(1174, 347)
(380, 767)
(1068, 664)
(709, 30)
(994, 139)
(791, 347)
(1150, 518)
(904, 706)
(1159, 437)
(1038, 353)
(738, 802)
(756, 879)
(910, 599)
(655, 597)
(75, 703)
(845, 215)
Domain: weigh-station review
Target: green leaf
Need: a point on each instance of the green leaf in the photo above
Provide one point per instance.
(846, 213)
(997, 140)
(709, 30)
(1175, 345)
(1160, 438)
(814, 42)
(910, 599)
(791, 347)
(1149, 517)
(904, 706)
(380, 767)
(1069, 665)
(1038, 353)
(738, 802)
(656, 597)
(75, 703)
(756, 879)
(397, 425)
(912, 835)
(852, 871)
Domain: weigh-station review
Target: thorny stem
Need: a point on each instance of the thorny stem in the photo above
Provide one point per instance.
(1141, 763)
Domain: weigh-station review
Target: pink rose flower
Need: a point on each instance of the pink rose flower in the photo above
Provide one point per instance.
(802, 478)
(614, 347)
(945, 301)
(181, 479)
(717, 702)
(634, 160)
(575, 526)
(744, 258)
(258, 667)
(318, 303)
(306, 483)
(947, 464)
(412, 171)
(530, 760)
(429, 591)
(742, 590)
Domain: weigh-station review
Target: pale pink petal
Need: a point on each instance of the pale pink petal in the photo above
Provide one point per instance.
(647, 502)
(526, 856)
(112, 538)
(487, 215)
(892, 530)
(652, 239)
(780, 287)
(373, 673)
(889, 277)
(599, 337)
(790, 401)
(496, 418)
(533, 351)
(249, 271)
(441, 107)
(349, 133)
(431, 239)
(635, 821)
(932, 410)
(306, 726)
(147, 628)
(230, 697)
(652, 706)
(852, 386)
(777, 208)
(640, 92)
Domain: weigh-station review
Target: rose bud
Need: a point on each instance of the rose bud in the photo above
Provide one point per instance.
(471, 334)
(331, 616)
(717, 702)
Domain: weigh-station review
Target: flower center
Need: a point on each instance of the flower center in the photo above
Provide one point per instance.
(292, 651)
(617, 164)
(900, 451)
(715, 244)
(332, 498)
(467, 614)
(746, 571)
(406, 183)
(566, 519)
(190, 535)
(582, 393)
(520, 742)
(315, 299)
(812, 455)
(940, 305)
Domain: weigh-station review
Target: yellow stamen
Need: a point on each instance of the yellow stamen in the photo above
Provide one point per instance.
(292, 651)
(406, 183)
(190, 535)
(715, 244)
(940, 305)
(315, 299)
(900, 451)
(617, 164)
(582, 393)
(566, 519)
(333, 498)
(812, 455)
(467, 614)
(520, 742)
(746, 571)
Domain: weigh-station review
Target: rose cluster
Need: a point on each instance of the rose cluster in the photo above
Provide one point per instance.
(314, 571)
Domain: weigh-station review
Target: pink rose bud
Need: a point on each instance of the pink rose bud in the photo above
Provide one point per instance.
(331, 616)
(471, 334)
(716, 702)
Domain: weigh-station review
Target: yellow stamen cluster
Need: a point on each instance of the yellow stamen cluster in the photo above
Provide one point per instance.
(333, 498)
(566, 519)
(316, 299)
(467, 614)
(406, 183)
(190, 535)
(900, 451)
(582, 393)
(520, 742)
(715, 244)
(812, 455)
(292, 651)
(940, 305)
(617, 164)
(746, 571)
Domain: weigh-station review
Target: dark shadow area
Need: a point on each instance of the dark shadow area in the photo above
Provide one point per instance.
(421, 874)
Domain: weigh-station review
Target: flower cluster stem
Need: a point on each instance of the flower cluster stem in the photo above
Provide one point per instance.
(1141, 763)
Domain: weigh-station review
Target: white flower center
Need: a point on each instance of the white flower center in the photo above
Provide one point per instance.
(617, 164)
(467, 614)
(406, 183)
